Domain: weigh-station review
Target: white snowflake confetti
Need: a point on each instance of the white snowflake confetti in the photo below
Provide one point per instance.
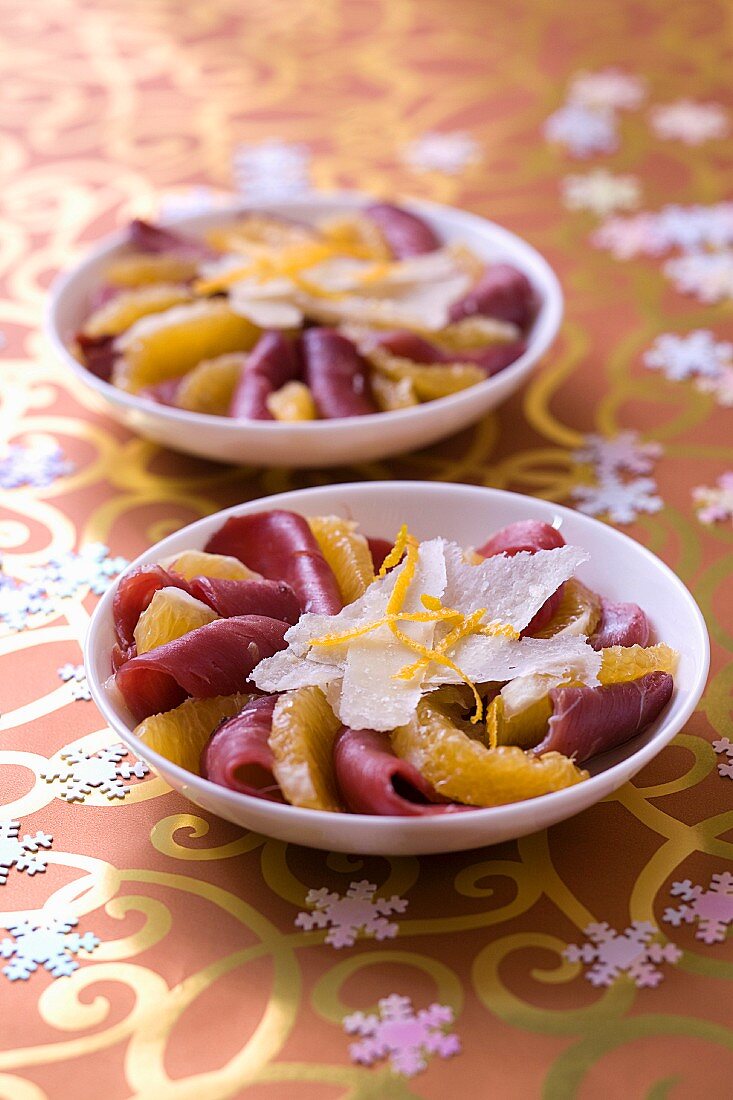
(707, 276)
(358, 910)
(628, 237)
(725, 747)
(711, 908)
(23, 853)
(91, 568)
(681, 357)
(272, 170)
(621, 501)
(434, 152)
(20, 601)
(720, 386)
(716, 501)
(630, 952)
(601, 192)
(685, 228)
(45, 940)
(192, 200)
(692, 123)
(82, 772)
(76, 677)
(610, 88)
(33, 465)
(622, 453)
(403, 1036)
(584, 132)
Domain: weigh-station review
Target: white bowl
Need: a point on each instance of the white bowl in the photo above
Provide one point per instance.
(619, 568)
(320, 442)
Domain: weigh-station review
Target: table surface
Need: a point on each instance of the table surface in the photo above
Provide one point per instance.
(195, 978)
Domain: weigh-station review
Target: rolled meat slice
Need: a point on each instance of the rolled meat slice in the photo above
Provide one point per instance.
(281, 547)
(372, 780)
(275, 599)
(337, 376)
(622, 624)
(273, 361)
(407, 345)
(587, 721)
(215, 659)
(502, 292)
(237, 755)
(405, 233)
(497, 357)
(98, 353)
(146, 237)
(378, 548)
(529, 535)
(134, 592)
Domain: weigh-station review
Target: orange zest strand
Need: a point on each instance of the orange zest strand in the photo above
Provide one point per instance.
(395, 554)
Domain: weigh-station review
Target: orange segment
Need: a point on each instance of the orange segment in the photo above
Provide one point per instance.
(209, 387)
(391, 393)
(259, 229)
(303, 732)
(428, 381)
(623, 663)
(121, 312)
(197, 563)
(579, 612)
(170, 614)
(346, 552)
(171, 344)
(134, 269)
(465, 770)
(358, 236)
(524, 728)
(180, 735)
(472, 332)
(293, 401)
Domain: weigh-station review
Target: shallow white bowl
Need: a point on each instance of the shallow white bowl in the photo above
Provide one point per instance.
(320, 442)
(619, 568)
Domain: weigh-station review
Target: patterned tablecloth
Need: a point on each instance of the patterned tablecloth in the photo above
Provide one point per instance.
(184, 959)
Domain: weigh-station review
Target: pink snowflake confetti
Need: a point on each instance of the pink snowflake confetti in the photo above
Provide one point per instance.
(609, 88)
(685, 228)
(23, 853)
(715, 502)
(697, 354)
(449, 152)
(404, 1037)
(707, 276)
(192, 200)
(582, 131)
(32, 465)
(272, 170)
(609, 954)
(724, 747)
(628, 237)
(601, 192)
(347, 916)
(711, 908)
(689, 122)
(720, 386)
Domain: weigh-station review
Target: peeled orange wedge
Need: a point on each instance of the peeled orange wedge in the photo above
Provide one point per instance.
(471, 333)
(198, 563)
(171, 344)
(524, 728)
(463, 769)
(392, 393)
(180, 735)
(579, 612)
(208, 388)
(623, 663)
(356, 236)
(135, 269)
(428, 381)
(126, 308)
(346, 552)
(293, 401)
(303, 732)
(259, 229)
(170, 614)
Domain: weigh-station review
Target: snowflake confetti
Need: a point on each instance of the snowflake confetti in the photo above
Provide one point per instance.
(610, 954)
(434, 152)
(720, 386)
(716, 501)
(358, 910)
(692, 123)
(45, 940)
(193, 200)
(610, 88)
(628, 237)
(725, 747)
(33, 465)
(707, 276)
(697, 354)
(81, 772)
(583, 131)
(622, 453)
(71, 573)
(403, 1036)
(685, 228)
(273, 170)
(23, 853)
(601, 192)
(621, 501)
(711, 908)
(20, 601)
(76, 677)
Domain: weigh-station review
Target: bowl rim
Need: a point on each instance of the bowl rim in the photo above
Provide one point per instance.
(540, 338)
(410, 827)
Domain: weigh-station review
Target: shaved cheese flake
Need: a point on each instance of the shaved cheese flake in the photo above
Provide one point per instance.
(285, 671)
(483, 659)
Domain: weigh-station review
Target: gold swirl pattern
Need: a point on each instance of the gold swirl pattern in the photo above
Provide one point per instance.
(202, 984)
